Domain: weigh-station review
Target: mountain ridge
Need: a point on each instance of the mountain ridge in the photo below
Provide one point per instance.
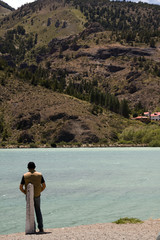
(5, 9)
(5, 5)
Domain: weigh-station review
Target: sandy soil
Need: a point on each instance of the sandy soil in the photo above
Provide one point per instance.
(148, 230)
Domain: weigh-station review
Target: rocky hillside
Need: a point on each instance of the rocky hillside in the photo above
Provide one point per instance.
(70, 71)
(35, 116)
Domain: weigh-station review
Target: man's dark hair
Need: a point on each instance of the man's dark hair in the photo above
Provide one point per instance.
(31, 165)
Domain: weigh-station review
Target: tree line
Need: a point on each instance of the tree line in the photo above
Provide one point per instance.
(129, 21)
(88, 92)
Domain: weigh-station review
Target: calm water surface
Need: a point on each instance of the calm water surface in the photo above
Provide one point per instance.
(84, 186)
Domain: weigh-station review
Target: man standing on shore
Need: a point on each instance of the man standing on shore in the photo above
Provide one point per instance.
(36, 178)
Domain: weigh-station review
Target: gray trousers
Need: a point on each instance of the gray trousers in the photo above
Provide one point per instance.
(38, 212)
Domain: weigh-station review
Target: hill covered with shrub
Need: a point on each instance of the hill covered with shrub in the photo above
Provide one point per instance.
(101, 55)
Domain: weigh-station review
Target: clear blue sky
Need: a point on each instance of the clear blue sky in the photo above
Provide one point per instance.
(18, 3)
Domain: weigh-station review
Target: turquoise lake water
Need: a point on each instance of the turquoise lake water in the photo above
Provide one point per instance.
(84, 185)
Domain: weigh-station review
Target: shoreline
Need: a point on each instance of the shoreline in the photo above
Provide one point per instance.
(75, 146)
(148, 230)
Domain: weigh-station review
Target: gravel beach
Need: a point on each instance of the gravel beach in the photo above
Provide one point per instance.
(148, 230)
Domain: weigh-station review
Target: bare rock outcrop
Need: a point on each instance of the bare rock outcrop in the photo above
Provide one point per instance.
(27, 122)
(75, 130)
(25, 137)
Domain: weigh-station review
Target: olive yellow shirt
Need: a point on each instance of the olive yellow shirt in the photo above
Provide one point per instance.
(36, 179)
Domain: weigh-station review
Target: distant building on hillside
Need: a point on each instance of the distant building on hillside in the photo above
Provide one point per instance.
(148, 116)
(144, 119)
(155, 116)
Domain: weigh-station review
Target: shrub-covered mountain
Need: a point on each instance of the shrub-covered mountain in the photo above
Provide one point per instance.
(74, 71)
(5, 9)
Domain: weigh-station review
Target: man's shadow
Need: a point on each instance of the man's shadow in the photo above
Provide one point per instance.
(38, 233)
(41, 233)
